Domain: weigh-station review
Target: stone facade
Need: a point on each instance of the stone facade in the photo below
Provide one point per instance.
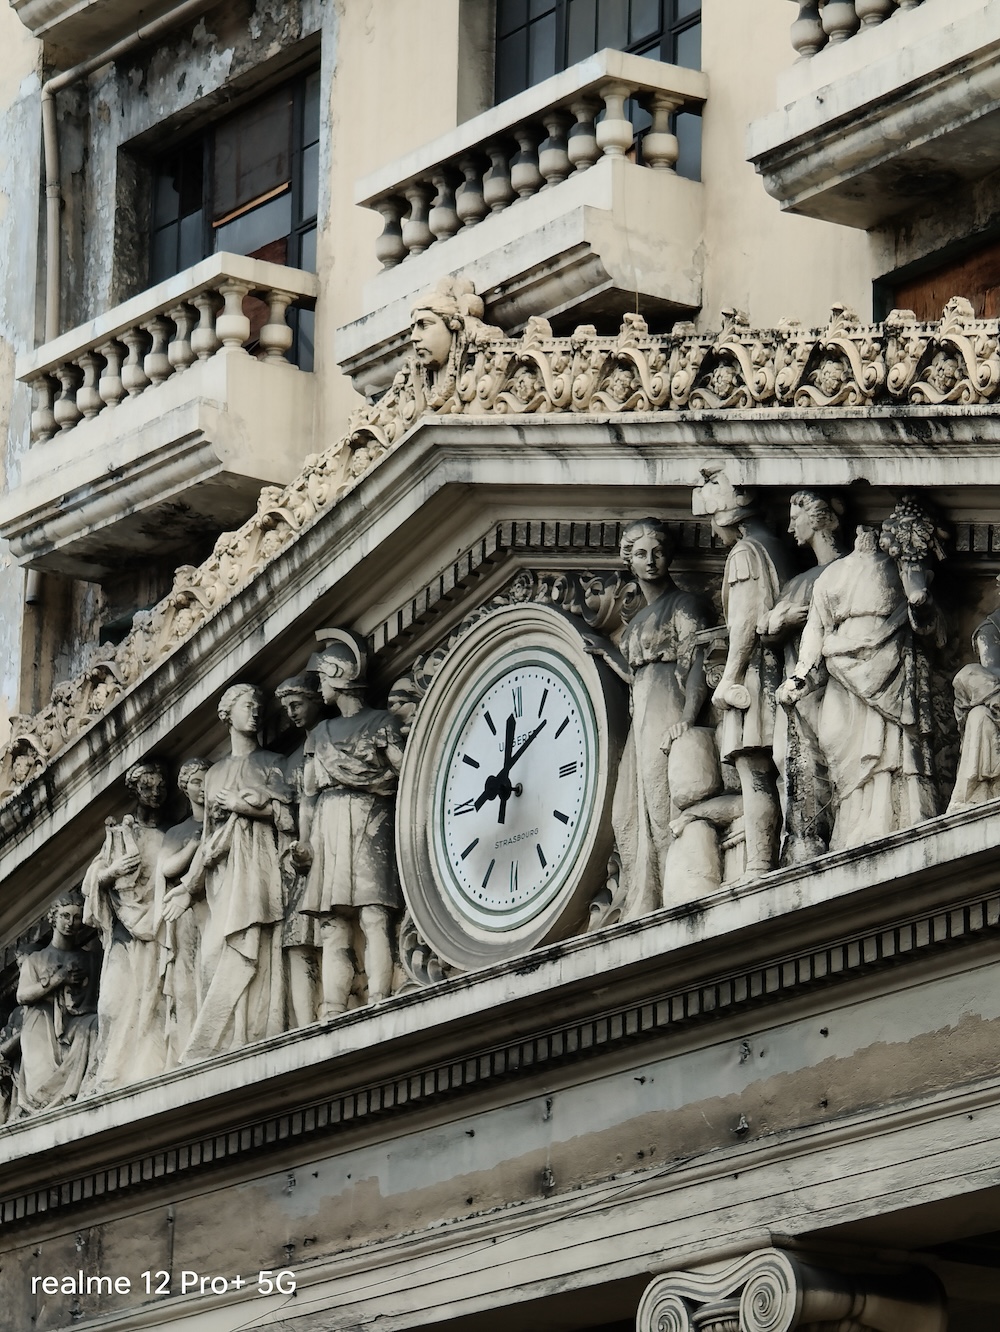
(527, 853)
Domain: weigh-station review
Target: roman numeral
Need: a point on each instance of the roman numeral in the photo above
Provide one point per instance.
(541, 706)
(518, 701)
(541, 854)
(489, 722)
(464, 808)
(563, 818)
(562, 727)
(470, 761)
(568, 769)
(489, 871)
(470, 848)
(513, 876)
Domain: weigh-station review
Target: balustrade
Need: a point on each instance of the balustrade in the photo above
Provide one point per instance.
(163, 332)
(532, 143)
(830, 22)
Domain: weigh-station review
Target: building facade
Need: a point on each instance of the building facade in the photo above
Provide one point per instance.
(500, 651)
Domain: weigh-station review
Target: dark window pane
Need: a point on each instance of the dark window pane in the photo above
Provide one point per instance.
(687, 7)
(163, 261)
(307, 251)
(689, 48)
(251, 231)
(309, 201)
(252, 153)
(192, 240)
(687, 127)
(310, 109)
(542, 50)
(512, 65)
(644, 19)
(581, 30)
(304, 350)
(166, 196)
(191, 177)
(536, 8)
(511, 14)
(612, 24)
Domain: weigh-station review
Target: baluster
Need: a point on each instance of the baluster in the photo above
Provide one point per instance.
(180, 353)
(525, 177)
(443, 218)
(88, 399)
(469, 201)
(582, 148)
(389, 248)
(553, 154)
(110, 385)
(497, 189)
(840, 20)
(133, 375)
(417, 235)
(614, 133)
(157, 363)
(43, 421)
(659, 146)
(65, 409)
(807, 32)
(909, 4)
(232, 326)
(275, 336)
(204, 340)
(873, 12)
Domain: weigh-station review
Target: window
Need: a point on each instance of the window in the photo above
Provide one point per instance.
(248, 184)
(538, 38)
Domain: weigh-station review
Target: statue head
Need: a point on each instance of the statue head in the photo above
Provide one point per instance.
(726, 504)
(438, 317)
(809, 513)
(301, 698)
(240, 708)
(191, 780)
(65, 915)
(647, 549)
(341, 664)
(147, 782)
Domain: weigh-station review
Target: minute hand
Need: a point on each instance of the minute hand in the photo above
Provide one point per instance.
(524, 745)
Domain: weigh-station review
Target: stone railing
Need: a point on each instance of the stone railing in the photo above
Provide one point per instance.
(163, 331)
(530, 143)
(822, 22)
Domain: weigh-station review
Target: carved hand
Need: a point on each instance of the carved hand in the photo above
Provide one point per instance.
(121, 868)
(789, 693)
(176, 903)
(674, 733)
(301, 855)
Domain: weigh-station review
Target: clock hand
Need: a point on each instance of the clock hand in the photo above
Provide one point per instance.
(494, 784)
(524, 745)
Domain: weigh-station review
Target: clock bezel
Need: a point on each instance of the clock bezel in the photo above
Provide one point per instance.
(473, 665)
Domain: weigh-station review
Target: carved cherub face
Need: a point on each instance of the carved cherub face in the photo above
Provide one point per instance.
(360, 460)
(942, 373)
(431, 338)
(620, 384)
(524, 385)
(830, 377)
(722, 380)
(22, 768)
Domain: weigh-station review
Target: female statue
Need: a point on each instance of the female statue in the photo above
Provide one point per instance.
(805, 785)
(346, 821)
(668, 691)
(58, 991)
(180, 939)
(238, 870)
(977, 707)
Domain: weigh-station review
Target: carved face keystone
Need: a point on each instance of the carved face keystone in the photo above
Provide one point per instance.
(431, 338)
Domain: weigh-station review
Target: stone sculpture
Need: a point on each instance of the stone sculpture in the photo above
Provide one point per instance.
(301, 943)
(120, 900)
(862, 643)
(668, 688)
(57, 988)
(977, 707)
(180, 938)
(347, 826)
(10, 1060)
(237, 868)
(814, 521)
(757, 566)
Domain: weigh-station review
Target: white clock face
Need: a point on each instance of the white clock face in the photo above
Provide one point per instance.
(514, 793)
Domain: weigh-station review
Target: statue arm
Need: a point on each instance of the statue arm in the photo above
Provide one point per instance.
(743, 612)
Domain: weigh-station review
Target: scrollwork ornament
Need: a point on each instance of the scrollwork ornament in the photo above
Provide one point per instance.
(771, 1300)
(663, 1311)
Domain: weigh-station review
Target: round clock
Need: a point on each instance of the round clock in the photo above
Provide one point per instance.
(503, 822)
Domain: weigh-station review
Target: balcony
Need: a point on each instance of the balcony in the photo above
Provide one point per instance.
(154, 427)
(539, 203)
(886, 108)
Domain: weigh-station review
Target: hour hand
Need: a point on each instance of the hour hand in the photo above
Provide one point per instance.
(524, 745)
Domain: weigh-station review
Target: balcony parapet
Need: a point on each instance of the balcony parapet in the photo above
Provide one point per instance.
(876, 375)
(889, 107)
(527, 200)
(162, 332)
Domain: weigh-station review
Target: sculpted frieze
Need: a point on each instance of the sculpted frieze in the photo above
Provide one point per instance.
(784, 693)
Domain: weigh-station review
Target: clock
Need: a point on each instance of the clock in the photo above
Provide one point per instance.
(503, 814)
